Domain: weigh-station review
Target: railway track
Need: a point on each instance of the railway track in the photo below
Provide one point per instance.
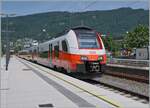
(129, 76)
(128, 73)
(125, 75)
(141, 76)
(122, 91)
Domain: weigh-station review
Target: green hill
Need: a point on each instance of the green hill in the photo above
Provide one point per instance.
(115, 22)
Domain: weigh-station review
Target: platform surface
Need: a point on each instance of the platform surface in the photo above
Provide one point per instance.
(27, 85)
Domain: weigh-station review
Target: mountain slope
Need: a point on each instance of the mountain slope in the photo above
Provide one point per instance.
(115, 22)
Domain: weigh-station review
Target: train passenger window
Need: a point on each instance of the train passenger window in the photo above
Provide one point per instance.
(35, 51)
(64, 46)
(56, 51)
(38, 50)
(43, 54)
(30, 51)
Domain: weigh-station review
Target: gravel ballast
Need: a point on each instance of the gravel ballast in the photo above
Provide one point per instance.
(137, 87)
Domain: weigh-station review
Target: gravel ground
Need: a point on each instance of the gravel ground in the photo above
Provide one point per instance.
(137, 87)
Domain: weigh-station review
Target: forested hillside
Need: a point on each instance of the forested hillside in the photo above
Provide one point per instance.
(45, 25)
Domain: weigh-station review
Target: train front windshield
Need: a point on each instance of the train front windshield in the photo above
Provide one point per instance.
(87, 39)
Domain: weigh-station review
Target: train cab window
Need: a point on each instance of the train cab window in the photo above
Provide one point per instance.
(56, 51)
(64, 46)
(87, 39)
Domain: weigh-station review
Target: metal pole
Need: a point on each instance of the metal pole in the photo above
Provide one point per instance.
(7, 44)
(0, 56)
(7, 51)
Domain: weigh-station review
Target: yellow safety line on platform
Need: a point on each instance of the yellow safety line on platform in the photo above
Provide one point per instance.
(98, 96)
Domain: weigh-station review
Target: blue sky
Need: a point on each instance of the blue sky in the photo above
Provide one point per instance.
(31, 7)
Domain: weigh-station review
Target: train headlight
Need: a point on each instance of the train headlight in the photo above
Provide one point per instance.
(100, 58)
(84, 58)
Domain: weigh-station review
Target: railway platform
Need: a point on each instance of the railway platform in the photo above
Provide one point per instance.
(28, 85)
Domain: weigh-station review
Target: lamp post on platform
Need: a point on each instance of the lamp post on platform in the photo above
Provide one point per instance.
(7, 38)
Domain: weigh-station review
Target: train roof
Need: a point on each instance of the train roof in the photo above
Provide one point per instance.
(74, 28)
(66, 31)
(81, 28)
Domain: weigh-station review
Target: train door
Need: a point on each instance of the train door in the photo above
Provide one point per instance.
(50, 52)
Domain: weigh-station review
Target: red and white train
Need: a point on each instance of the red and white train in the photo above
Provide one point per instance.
(79, 50)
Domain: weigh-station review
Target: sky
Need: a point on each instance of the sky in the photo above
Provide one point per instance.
(20, 7)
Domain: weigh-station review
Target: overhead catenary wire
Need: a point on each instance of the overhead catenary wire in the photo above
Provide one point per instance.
(81, 10)
(89, 5)
(130, 4)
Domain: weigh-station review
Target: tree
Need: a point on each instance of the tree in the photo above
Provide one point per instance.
(18, 45)
(137, 38)
(110, 43)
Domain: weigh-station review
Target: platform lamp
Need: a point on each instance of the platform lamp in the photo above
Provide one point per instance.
(7, 38)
